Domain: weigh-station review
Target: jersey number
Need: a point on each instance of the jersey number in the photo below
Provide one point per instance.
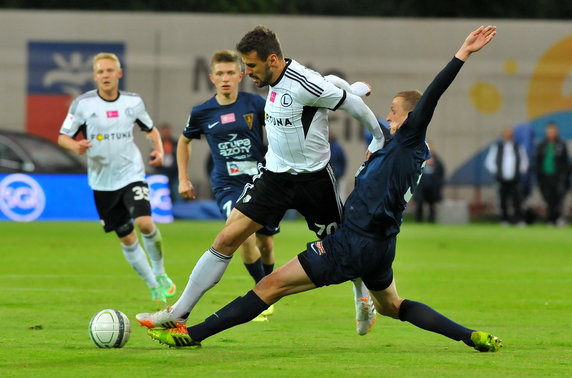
(227, 207)
(141, 192)
(330, 228)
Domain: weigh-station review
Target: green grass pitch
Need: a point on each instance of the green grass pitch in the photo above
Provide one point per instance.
(513, 282)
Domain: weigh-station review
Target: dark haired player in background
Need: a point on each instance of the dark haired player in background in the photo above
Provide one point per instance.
(232, 122)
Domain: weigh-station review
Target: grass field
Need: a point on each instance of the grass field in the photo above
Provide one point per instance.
(513, 282)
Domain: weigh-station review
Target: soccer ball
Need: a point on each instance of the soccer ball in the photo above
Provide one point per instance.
(109, 329)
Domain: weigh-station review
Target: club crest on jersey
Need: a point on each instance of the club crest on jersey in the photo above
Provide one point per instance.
(227, 118)
(249, 118)
(272, 96)
(318, 247)
(233, 169)
(286, 100)
(112, 114)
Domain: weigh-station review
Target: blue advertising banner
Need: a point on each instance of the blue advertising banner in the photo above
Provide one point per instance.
(61, 197)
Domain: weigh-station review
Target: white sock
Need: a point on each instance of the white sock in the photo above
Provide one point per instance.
(137, 258)
(207, 272)
(360, 290)
(153, 244)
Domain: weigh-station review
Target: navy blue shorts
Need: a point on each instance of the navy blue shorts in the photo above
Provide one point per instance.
(226, 200)
(346, 255)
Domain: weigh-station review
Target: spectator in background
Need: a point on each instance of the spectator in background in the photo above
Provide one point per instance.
(337, 159)
(524, 135)
(169, 167)
(552, 173)
(507, 161)
(429, 190)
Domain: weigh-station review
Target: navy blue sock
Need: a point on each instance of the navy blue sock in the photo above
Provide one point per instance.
(256, 270)
(425, 317)
(268, 268)
(241, 310)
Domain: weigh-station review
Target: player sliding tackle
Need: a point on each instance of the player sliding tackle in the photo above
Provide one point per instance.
(364, 246)
(296, 174)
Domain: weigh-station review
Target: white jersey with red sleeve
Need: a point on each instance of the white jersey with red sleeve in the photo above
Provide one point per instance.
(114, 160)
(297, 120)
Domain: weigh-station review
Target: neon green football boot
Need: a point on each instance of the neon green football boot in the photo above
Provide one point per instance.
(265, 315)
(174, 337)
(169, 288)
(268, 312)
(158, 295)
(485, 342)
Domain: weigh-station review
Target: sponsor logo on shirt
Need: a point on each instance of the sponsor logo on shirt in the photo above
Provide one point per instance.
(249, 118)
(211, 125)
(277, 121)
(235, 147)
(110, 136)
(227, 118)
(112, 114)
(272, 96)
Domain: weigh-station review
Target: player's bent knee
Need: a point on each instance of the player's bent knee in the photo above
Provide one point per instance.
(145, 224)
(124, 230)
(228, 241)
(270, 289)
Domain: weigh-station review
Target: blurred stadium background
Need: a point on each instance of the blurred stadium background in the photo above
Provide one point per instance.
(523, 80)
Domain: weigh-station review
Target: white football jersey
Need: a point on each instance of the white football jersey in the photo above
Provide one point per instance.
(297, 120)
(114, 160)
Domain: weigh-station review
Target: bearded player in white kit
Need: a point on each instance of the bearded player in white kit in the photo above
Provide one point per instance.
(106, 116)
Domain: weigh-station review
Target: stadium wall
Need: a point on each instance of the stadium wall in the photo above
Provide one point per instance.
(522, 78)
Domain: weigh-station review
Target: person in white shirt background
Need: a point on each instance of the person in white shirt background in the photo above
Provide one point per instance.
(507, 161)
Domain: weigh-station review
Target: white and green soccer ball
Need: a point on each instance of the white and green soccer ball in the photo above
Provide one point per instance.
(109, 328)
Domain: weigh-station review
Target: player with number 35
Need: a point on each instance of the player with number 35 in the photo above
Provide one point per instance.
(106, 117)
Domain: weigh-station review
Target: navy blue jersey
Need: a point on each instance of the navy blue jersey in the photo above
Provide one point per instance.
(234, 134)
(387, 180)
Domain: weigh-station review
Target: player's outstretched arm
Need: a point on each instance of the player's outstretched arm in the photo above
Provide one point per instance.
(476, 41)
(423, 112)
(359, 88)
(355, 106)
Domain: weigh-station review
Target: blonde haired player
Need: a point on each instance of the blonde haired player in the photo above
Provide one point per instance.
(106, 117)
